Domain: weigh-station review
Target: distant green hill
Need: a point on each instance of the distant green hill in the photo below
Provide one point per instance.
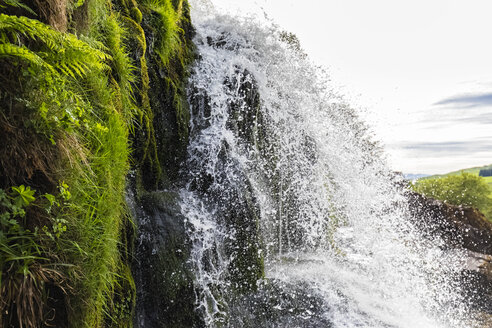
(471, 170)
(452, 190)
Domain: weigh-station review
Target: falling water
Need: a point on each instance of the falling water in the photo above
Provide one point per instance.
(281, 166)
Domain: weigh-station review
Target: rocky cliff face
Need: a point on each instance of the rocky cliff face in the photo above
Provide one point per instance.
(460, 226)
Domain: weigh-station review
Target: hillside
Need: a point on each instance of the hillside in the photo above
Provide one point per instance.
(455, 186)
(471, 170)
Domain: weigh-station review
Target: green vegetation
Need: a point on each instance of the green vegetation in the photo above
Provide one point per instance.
(465, 189)
(25, 265)
(471, 170)
(474, 171)
(63, 106)
(74, 100)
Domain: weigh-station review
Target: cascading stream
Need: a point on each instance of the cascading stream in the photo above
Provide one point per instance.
(285, 181)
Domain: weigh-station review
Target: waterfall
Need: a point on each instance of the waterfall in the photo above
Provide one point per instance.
(293, 216)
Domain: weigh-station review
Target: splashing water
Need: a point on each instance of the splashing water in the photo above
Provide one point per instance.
(272, 143)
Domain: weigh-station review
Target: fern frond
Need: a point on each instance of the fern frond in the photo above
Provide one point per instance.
(18, 4)
(24, 54)
(64, 51)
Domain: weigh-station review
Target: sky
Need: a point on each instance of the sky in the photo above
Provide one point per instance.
(419, 71)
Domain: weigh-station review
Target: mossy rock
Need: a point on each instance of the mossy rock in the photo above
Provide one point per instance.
(161, 143)
(166, 295)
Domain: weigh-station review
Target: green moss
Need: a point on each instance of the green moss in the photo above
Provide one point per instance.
(176, 89)
(145, 137)
(165, 68)
(122, 304)
(136, 15)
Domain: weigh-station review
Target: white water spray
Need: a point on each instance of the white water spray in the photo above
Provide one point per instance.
(331, 216)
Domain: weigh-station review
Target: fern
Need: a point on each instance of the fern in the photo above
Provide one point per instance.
(22, 53)
(64, 52)
(18, 4)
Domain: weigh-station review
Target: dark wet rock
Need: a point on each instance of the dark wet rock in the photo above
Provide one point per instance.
(166, 295)
(464, 228)
(277, 304)
(459, 226)
(478, 279)
(229, 191)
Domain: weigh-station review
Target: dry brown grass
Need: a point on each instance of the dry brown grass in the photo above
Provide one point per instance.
(24, 294)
